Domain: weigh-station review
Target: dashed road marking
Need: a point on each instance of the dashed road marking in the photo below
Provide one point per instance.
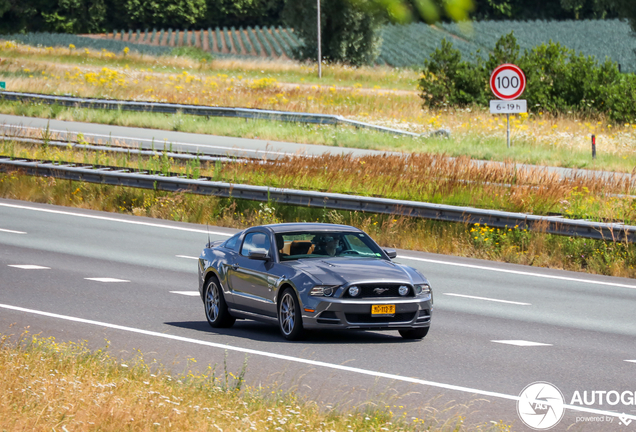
(187, 257)
(521, 343)
(11, 231)
(487, 299)
(29, 267)
(187, 293)
(631, 361)
(107, 280)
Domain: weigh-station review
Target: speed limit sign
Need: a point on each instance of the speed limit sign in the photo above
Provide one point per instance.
(507, 82)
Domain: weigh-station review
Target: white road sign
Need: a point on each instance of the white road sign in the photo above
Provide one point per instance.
(508, 107)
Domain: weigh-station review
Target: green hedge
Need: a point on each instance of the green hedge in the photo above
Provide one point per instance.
(558, 80)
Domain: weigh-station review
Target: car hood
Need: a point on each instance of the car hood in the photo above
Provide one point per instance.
(341, 271)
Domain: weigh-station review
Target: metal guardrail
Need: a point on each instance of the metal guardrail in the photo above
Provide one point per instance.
(501, 219)
(169, 108)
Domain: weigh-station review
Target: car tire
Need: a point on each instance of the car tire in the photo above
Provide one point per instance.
(416, 333)
(289, 316)
(215, 307)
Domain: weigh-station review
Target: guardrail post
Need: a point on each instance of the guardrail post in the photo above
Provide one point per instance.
(593, 146)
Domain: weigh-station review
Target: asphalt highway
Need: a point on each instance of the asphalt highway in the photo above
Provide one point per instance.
(86, 275)
(177, 141)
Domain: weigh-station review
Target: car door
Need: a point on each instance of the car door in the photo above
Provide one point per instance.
(250, 279)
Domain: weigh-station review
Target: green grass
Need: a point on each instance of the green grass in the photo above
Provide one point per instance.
(474, 146)
(193, 53)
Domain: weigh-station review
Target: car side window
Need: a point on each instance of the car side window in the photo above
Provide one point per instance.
(255, 240)
(232, 242)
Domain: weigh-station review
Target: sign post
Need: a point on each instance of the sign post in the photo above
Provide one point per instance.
(508, 82)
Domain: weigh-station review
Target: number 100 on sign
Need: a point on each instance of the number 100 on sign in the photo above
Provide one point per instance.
(507, 82)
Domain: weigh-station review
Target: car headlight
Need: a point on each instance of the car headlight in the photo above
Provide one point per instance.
(322, 291)
(423, 289)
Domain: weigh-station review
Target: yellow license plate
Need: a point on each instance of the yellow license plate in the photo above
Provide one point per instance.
(387, 309)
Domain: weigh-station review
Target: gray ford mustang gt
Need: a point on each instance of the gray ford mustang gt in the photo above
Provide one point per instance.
(312, 276)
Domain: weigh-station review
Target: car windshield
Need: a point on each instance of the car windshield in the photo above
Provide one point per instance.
(300, 245)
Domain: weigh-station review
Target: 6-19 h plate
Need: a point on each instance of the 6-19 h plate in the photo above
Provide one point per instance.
(383, 310)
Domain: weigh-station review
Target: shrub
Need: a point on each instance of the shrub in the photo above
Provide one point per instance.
(447, 80)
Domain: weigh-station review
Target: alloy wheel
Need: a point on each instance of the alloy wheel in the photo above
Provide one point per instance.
(287, 314)
(212, 302)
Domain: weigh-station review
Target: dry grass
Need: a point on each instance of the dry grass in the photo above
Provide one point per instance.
(416, 177)
(48, 385)
(368, 94)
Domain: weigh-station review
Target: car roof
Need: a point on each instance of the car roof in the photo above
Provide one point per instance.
(309, 226)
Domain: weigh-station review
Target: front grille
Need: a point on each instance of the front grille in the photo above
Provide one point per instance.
(385, 290)
(368, 319)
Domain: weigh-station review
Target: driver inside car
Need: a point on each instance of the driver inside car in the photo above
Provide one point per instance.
(325, 245)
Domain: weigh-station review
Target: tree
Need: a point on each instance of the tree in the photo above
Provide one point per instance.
(625, 9)
(349, 29)
(242, 13)
(158, 13)
(64, 16)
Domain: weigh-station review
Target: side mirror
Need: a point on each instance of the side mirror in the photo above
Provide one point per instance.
(391, 253)
(259, 254)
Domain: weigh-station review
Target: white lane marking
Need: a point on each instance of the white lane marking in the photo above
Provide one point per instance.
(589, 281)
(11, 231)
(521, 343)
(351, 369)
(113, 219)
(487, 299)
(107, 280)
(187, 293)
(186, 257)
(165, 141)
(29, 267)
(631, 361)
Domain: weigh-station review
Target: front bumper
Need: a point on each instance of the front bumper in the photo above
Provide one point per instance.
(338, 313)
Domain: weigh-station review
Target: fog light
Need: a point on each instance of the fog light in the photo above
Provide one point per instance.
(354, 291)
(403, 290)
